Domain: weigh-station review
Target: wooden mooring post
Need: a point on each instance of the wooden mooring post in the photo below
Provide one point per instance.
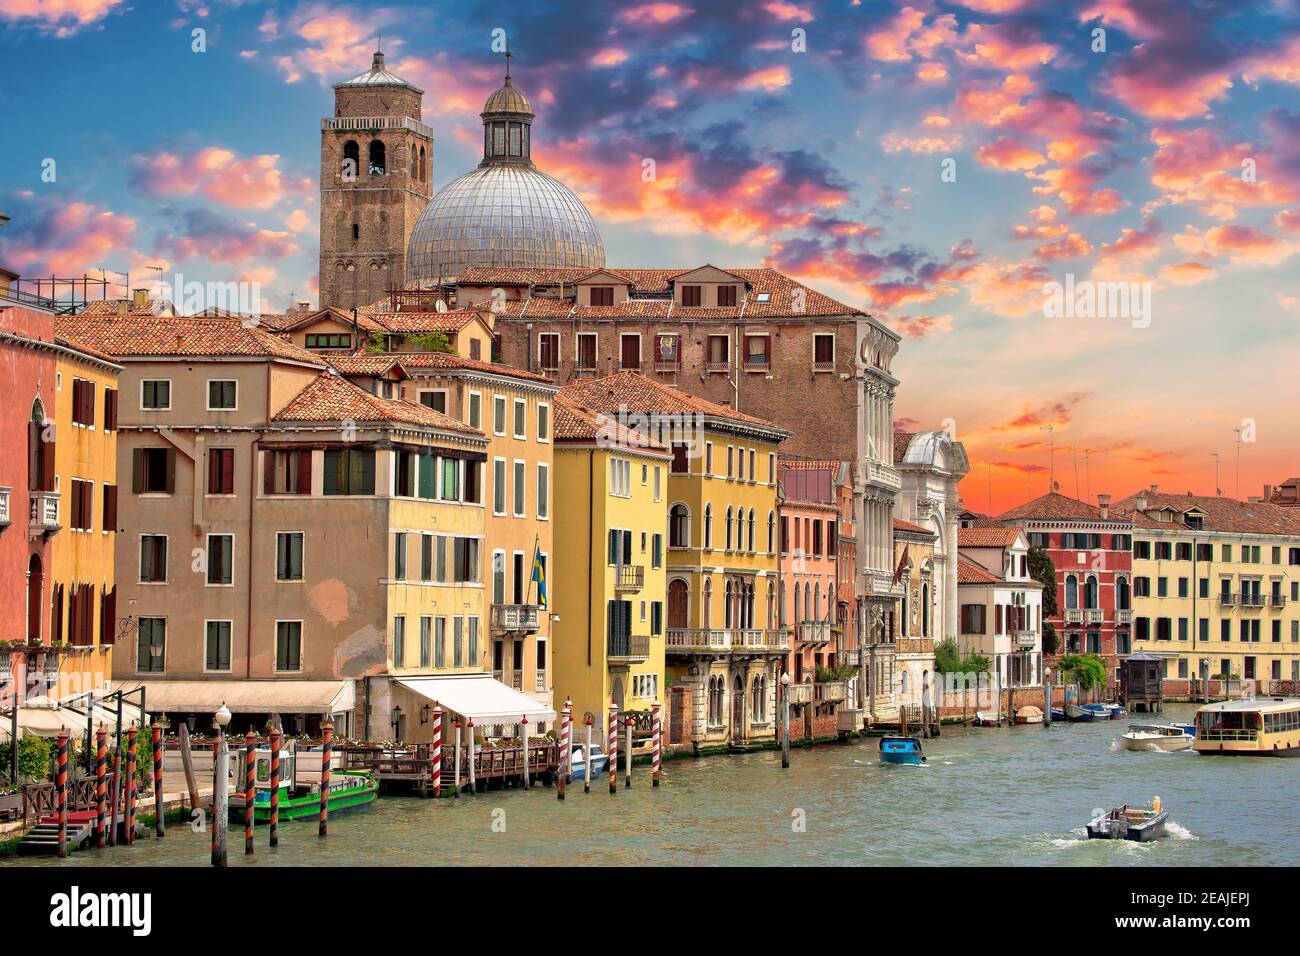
(435, 751)
(326, 758)
(101, 784)
(523, 734)
(187, 764)
(562, 758)
(250, 789)
(611, 757)
(156, 746)
(275, 787)
(656, 744)
(473, 757)
(627, 755)
(61, 790)
(131, 755)
(455, 764)
(586, 763)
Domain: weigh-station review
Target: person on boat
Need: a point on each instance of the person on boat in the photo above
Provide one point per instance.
(1155, 804)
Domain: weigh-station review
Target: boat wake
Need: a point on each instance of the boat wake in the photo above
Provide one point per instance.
(1178, 831)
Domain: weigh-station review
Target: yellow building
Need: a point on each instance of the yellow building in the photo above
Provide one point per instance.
(723, 641)
(83, 593)
(609, 604)
(1216, 589)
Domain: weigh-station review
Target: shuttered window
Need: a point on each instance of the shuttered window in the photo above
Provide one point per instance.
(221, 471)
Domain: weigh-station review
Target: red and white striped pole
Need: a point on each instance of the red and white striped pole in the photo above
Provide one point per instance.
(326, 759)
(101, 782)
(562, 757)
(611, 755)
(436, 746)
(656, 743)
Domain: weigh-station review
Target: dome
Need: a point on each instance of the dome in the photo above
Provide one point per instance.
(507, 215)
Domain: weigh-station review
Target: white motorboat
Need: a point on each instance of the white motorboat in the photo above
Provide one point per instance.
(1166, 737)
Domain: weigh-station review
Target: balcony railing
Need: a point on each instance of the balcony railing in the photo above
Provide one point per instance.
(1024, 638)
(1277, 600)
(824, 366)
(1074, 615)
(812, 632)
(722, 640)
(4, 507)
(1093, 615)
(883, 475)
(1227, 598)
(666, 366)
(1252, 600)
(628, 648)
(515, 617)
(375, 122)
(757, 365)
(1124, 615)
(629, 577)
(44, 515)
(539, 680)
(831, 691)
(717, 366)
(800, 693)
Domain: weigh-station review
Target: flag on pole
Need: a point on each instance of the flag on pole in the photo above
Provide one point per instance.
(902, 563)
(539, 576)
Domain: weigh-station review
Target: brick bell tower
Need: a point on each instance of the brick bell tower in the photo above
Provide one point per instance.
(376, 166)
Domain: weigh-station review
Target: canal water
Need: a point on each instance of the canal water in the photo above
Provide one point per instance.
(1016, 795)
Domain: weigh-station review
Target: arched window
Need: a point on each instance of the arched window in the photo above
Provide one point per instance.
(706, 620)
(715, 701)
(817, 602)
(377, 165)
(903, 610)
(751, 530)
(727, 606)
(1090, 591)
(807, 601)
(758, 703)
(356, 232)
(903, 678)
(1122, 593)
(771, 605)
(351, 160)
(771, 532)
(925, 610)
(40, 450)
(1071, 592)
(679, 526)
(729, 516)
(415, 165)
(708, 527)
(424, 166)
(679, 602)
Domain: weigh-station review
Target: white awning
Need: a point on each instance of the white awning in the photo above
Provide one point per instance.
(480, 697)
(43, 717)
(245, 696)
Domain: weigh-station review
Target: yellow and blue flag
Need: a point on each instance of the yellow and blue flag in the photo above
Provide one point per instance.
(539, 576)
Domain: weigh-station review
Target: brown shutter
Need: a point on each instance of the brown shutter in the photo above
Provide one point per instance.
(171, 470)
(214, 471)
(56, 619)
(228, 472)
(108, 618)
(88, 506)
(110, 507)
(268, 473)
(304, 473)
(110, 409)
(47, 465)
(137, 470)
(90, 403)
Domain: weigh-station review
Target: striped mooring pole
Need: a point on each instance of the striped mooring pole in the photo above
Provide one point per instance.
(523, 733)
(562, 758)
(131, 755)
(611, 754)
(456, 762)
(436, 748)
(275, 787)
(114, 792)
(156, 745)
(656, 743)
(61, 790)
(326, 758)
(586, 763)
(101, 785)
(250, 789)
(473, 769)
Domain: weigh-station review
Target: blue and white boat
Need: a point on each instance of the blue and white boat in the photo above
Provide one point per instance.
(579, 761)
(1077, 715)
(1099, 711)
(901, 750)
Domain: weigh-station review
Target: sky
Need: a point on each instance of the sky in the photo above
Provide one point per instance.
(937, 164)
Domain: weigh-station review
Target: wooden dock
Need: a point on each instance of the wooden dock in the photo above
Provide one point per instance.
(411, 768)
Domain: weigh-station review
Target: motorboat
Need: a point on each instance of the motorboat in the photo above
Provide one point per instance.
(1139, 824)
(1166, 737)
(906, 750)
(1029, 714)
(985, 719)
(1078, 715)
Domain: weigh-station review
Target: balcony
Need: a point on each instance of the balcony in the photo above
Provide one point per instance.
(663, 367)
(1277, 601)
(1124, 615)
(1093, 615)
(1024, 639)
(717, 367)
(1252, 600)
(44, 515)
(4, 508)
(823, 366)
(629, 577)
(800, 693)
(723, 640)
(813, 632)
(1074, 615)
(878, 584)
(1227, 598)
(521, 618)
(368, 123)
(628, 648)
(831, 691)
(882, 475)
(758, 364)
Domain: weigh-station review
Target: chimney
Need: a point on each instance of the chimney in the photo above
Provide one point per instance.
(303, 307)
(1103, 501)
(140, 298)
(1140, 501)
(1268, 492)
(1155, 489)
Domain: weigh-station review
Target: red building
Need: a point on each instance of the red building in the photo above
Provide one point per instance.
(1093, 554)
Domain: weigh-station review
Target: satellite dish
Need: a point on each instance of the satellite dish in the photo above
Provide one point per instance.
(440, 305)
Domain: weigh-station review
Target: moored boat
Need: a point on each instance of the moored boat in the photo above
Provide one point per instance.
(1029, 714)
(347, 789)
(1139, 824)
(1058, 713)
(906, 750)
(1078, 715)
(1166, 737)
(578, 765)
(1099, 711)
(985, 719)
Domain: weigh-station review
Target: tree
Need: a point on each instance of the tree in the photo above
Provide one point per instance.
(1050, 644)
(1086, 670)
(1043, 571)
(433, 342)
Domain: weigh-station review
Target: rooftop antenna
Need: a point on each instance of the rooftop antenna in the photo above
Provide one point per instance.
(989, 472)
(1074, 452)
(1217, 490)
(1236, 487)
(1087, 475)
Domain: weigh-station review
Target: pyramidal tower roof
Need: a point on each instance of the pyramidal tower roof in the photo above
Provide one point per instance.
(377, 75)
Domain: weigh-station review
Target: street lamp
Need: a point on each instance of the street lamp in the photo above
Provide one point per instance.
(220, 788)
(785, 719)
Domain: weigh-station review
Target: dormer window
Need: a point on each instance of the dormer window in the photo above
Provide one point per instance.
(691, 295)
(1194, 522)
(726, 295)
(602, 295)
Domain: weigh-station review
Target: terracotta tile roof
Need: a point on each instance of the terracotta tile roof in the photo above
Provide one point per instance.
(330, 397)
(84, 349)
(133, 336)
(274, 321)
(778, 288)
(1055, 506)
(987, 537)
(125, 307)
(577, 424)
(452, 320)
(366, 363)
(634, 392)
(449, 362)
(901, 525)
(330, 312)
(1221, 514)
(901, 441)
(968, 572)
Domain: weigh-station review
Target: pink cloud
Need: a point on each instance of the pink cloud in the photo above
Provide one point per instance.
(62, 18)
(1007, 154)
(255, 182)
(655, 13)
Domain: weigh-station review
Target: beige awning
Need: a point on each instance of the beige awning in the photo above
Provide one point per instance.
(43, 717)
(245, 696)
(480, 697)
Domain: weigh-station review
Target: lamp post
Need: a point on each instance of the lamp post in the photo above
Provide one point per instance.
(1047, 696)
(785, 719)
(220, 789)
